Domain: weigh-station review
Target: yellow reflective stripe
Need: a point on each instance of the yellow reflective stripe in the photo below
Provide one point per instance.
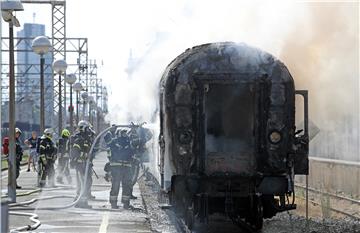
(41, 146)
(76, 145)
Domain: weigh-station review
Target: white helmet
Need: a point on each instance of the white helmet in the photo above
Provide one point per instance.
(17, 130)
(48, 132)
(82, 125)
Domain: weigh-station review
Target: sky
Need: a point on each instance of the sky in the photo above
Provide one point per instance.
(317, 40)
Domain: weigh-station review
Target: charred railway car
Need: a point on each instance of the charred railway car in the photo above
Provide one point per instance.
(228, 138)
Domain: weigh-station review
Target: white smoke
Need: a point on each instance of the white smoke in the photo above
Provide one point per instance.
(317, 41)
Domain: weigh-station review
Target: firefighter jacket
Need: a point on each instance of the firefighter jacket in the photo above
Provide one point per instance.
(18, 150)
(47, 150)
(81, 145)
(63, 146)
(121, 152)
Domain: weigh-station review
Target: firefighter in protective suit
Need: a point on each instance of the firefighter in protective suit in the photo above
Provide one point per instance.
(81, 145)
(138, 137)
(120, 167)
(47, 151)
(63, 157)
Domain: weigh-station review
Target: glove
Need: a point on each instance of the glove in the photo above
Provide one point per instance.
(82, 157)
(108, 177)
(107, 167)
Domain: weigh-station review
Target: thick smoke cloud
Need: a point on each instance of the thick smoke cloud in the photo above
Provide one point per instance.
(322, 53)
(317, 41)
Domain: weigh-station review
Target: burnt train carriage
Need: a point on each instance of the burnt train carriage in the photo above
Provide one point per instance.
(228, 140)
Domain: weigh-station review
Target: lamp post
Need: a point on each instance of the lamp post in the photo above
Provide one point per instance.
(84, 97)
(71, 79)
(77, 87)
(7, 8)
(59, 66)
(41, 45)
(91, 102)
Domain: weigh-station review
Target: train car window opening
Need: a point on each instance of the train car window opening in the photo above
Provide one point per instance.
(229, 118)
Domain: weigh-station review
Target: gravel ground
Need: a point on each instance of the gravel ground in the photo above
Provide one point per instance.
(290, 222)
(163, 219)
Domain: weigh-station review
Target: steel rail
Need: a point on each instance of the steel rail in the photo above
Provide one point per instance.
(354, 201)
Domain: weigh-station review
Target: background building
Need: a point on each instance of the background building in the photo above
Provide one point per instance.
(28, 80)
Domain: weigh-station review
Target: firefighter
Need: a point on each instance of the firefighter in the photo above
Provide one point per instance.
(47, 151)
(111, 135)
(81, 145)
(135, 145)
(63, 157)
(138, 138)
(19, 153)
(120, 167)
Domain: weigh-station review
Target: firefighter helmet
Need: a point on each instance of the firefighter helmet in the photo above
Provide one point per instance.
(48, 132)
(65, 133)
(82, 125)
(17, 130)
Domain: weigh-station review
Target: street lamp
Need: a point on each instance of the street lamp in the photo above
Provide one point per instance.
(71, 79)
(59, 66)
(41, 45)
(77, 87)
(7, 9)
(84, 97)
(91, 102)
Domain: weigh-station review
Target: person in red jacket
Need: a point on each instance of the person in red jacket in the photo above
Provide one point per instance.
(5, 147)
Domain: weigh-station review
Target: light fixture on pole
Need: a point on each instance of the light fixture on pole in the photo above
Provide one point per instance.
(41, 45)
(71, 79)
(7, 9)
(91, 102)
(60, 66)
(84, 97)
(77, 87)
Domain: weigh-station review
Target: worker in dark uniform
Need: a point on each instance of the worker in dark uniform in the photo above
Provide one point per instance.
(138, 137)
(111, 135)
(91, 135)
(47, 151)
(81, 145)
(63, 157)
(19, 153)
(120, 168)
(135, 165)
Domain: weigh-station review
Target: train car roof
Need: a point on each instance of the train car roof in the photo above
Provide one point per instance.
(225, 57)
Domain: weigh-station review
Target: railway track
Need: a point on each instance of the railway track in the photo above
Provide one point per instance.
(334, 196)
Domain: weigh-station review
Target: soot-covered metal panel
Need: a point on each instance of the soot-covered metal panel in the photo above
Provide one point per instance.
(182, 87)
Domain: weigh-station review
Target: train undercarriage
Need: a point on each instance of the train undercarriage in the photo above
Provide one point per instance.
(195, 199)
